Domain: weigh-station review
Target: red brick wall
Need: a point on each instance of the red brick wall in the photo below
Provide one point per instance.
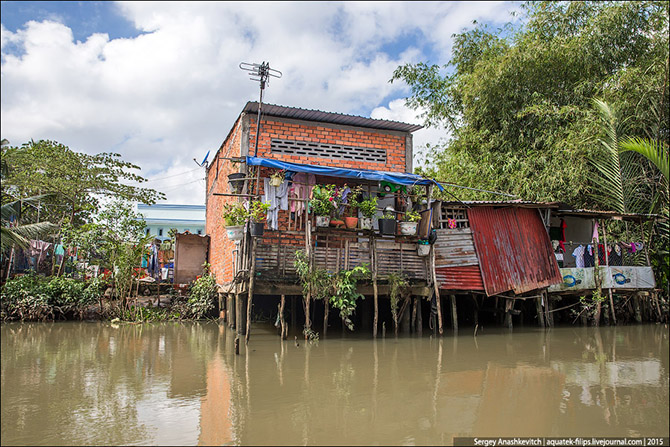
(220, 249)
(220, 253)
(394, 143)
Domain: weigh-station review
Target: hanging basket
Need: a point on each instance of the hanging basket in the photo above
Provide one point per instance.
(423, 249)
(236, 182)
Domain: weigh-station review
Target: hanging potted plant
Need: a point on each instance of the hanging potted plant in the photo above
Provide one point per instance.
(236, 180)
(234, 218)
(323, 203)
(409, 226)
(277, 177)
(387, 223)
(258, 211)
(368, 209)
(423, 247)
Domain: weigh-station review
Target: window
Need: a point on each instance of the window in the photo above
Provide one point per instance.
(160, 231)
(457, 216)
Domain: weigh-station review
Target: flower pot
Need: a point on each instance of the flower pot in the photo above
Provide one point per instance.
(365, 223)
(408, 228)
(235, 233)
(257, 229)
(423, 249)
(236, 182)
(350, 222)
(336, 223)
(322, 221)
(276, 181)
(387, 226)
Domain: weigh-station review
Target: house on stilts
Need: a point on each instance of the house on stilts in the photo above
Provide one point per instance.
(483, 256)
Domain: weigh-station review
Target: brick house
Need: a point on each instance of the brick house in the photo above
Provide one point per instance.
(305, 137)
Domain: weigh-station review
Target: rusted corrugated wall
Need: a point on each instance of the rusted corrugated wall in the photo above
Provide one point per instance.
(459, 278)
(514, 249)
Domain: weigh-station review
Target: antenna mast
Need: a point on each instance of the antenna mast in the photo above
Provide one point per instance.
(261, 73)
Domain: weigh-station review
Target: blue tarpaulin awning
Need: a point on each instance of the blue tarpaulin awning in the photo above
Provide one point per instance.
(398, 178)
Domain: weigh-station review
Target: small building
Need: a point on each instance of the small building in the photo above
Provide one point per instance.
(162, 217)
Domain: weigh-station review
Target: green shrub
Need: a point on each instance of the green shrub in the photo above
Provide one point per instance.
(202, 294)
(24, 298)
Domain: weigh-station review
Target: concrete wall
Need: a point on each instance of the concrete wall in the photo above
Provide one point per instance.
(191, 252)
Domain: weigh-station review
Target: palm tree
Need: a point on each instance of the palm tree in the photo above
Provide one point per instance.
(20, 235)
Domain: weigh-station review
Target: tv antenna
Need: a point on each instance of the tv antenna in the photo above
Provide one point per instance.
(262, 73)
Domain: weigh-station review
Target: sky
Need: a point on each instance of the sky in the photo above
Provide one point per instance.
(160, 83)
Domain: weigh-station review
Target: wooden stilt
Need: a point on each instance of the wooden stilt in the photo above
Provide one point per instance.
(412, 321)
(476, 316)
(437, 292)
(308, 252)
(325, 317)
(636, 307)
(509, 305)
(419, 317)
(282, 320)
(540, 314)
(250, 298)
(294, 315)
(241, 319)
(454, 313)
(375, 292)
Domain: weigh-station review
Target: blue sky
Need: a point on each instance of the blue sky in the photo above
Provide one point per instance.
(159, 83)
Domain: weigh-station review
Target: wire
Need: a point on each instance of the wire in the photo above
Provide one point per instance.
(183, 184)
(170, 176)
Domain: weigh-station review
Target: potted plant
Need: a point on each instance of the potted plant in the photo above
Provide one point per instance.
(234, 218)
(423, 247)
(350, 207)
(368, 209)
(277, 177)
(387, 223)
(258, 211)
(409, 226)
(323, 203)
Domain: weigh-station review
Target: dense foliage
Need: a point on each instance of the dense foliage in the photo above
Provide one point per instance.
(517, 102)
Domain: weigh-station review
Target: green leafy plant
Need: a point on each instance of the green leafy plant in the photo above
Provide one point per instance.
(325, 200)
(234, 214)
(202, 294)
(412, 216)
(259, 211)
(345, 294)
(368, 207)
(388, 215)
(398, 290)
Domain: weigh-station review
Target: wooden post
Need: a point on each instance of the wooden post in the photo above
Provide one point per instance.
(607, 264)
(294, 322)
(241, 318)
(375, 292)
(437, 292)
(636, 307)
(231, 310)
(509, 306)
(540, 314)
(308, 252)
(282, 320)
(252, 278)
(419, 317)
(325, 317)
(454, 313)
(222, 312)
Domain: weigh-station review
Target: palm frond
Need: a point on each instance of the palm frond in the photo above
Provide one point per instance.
(654, 151)
(22, 234)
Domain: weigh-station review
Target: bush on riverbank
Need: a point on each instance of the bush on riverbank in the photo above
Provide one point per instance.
(38, 298)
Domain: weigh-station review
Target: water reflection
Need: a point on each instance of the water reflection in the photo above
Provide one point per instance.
(90, 383)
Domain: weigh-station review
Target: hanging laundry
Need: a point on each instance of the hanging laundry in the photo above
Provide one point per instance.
(638, 246)
(277, 197)
(589, 258)
(301, 190)
(601, 254)
(561, 243)
(616, 255)
(578, 253)
(595, 236)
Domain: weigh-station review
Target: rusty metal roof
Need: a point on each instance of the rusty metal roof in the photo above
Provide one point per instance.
(511, 203)
(329, 117)
(607, 214)
(514, 250)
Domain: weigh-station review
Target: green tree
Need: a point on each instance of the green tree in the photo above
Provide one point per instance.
(76, 182)
(517, 102)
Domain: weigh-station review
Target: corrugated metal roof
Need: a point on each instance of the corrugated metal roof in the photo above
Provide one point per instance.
(329, 117)
(607, 214)
(514, 250)
(459, 278)
(511, 203)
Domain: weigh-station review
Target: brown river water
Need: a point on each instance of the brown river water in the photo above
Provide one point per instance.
(73, 383)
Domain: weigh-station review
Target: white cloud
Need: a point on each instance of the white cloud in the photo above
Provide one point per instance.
(171, 94)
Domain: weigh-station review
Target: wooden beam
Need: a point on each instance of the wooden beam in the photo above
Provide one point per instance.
(250, 299)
